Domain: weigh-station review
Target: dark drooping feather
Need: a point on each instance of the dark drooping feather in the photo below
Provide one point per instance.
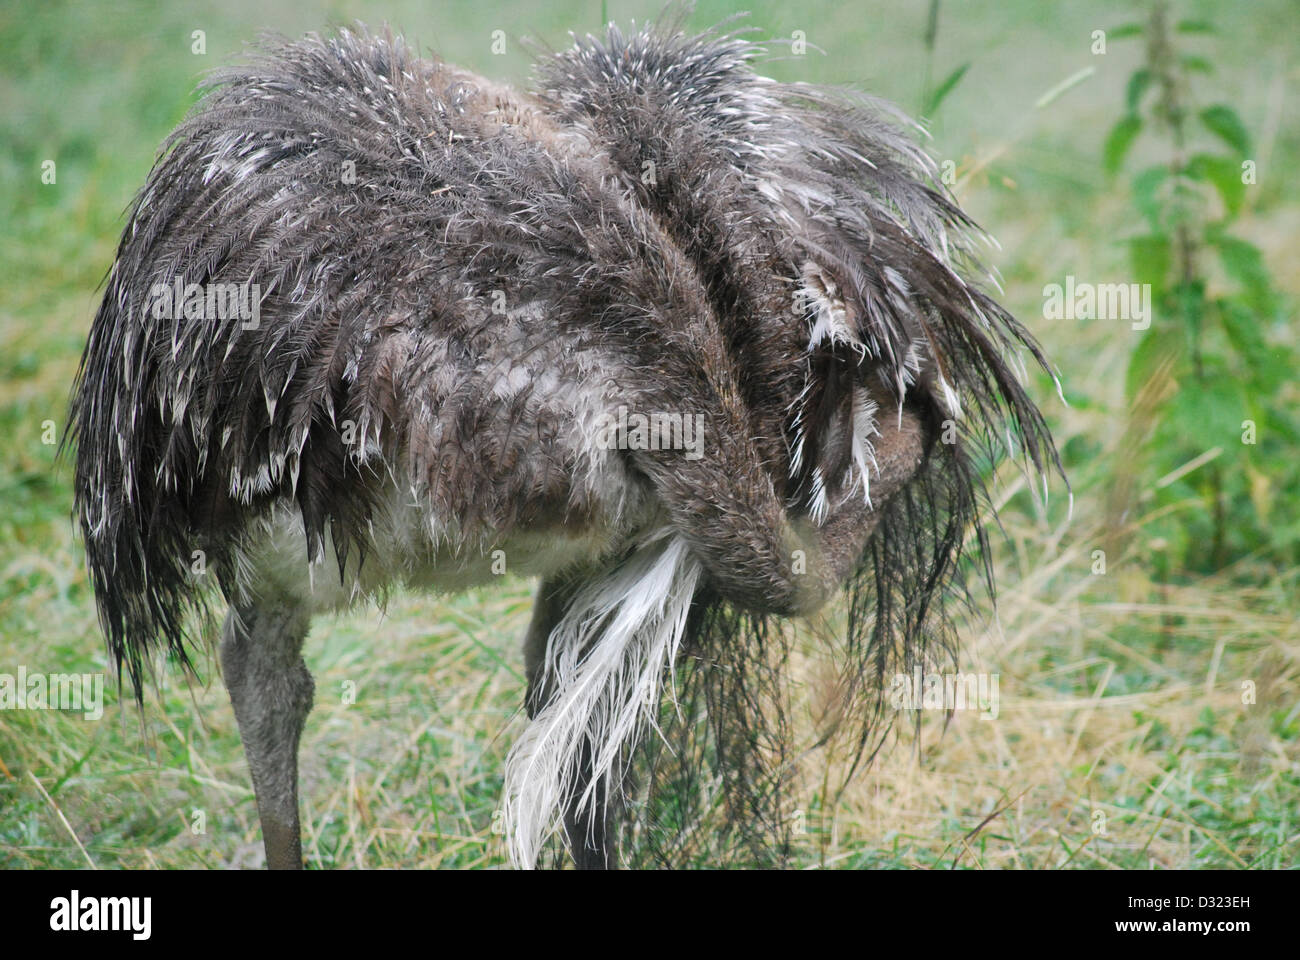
(653, 211)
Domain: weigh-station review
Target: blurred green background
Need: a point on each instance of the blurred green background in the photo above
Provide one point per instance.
(1156, 695)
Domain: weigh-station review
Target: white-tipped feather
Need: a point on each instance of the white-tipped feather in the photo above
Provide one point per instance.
(864, 428)
(604, 693)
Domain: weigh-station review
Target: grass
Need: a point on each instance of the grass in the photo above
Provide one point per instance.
(1141, 724)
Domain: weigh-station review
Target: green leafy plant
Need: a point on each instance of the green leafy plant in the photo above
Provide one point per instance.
(1210, 382)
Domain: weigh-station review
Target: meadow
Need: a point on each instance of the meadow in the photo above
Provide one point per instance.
(1147, 631)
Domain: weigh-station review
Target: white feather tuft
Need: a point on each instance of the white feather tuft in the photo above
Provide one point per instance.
(606, 661)
(864, 428)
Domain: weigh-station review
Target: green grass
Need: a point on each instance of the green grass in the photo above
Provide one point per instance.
(1122, 698)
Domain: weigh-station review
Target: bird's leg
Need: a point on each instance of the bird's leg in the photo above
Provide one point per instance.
(271, 691)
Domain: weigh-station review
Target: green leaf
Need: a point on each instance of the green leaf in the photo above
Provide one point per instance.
(1243, 263)
(1137, 85)
(1196, 64)
(1283, 423)
(1150, 258)
(1146, 188)
(1269, 367)
(1223, 122)
(1186, 201)
(1224, 174)
(941, 92)
(1120, 139)
(1196, 26)
(1209, 414)
(1242, 330)
(1124, 30)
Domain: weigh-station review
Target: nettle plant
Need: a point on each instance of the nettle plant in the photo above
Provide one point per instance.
(1209, 384)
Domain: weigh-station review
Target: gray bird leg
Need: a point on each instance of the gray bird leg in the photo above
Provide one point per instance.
(271, 691)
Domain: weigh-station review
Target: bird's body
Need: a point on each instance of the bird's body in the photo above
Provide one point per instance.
(460, 288)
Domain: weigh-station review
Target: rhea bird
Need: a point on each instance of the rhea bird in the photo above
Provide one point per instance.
(457, 304)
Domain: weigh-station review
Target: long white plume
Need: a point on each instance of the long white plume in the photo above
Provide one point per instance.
(606, 660)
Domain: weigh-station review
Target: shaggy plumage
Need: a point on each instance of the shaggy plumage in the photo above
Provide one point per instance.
(456, 282)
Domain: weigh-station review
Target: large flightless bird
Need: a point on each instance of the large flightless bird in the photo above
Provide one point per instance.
(697, 349)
